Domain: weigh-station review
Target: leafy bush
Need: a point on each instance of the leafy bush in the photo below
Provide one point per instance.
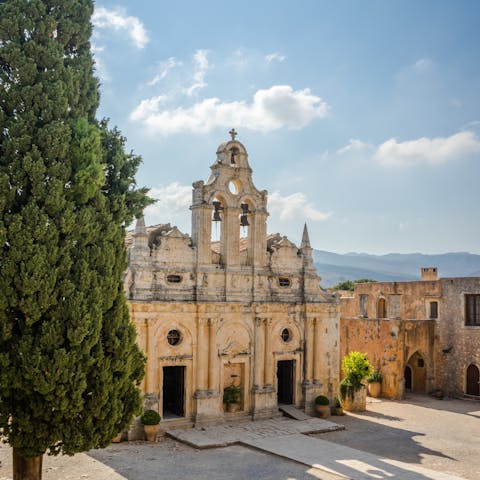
(375, 377)
(231, 394)
(355, 367)
(322, 400)
(150, 417)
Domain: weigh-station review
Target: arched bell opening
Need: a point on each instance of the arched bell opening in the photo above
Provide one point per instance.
(217, 219)
(246, 222)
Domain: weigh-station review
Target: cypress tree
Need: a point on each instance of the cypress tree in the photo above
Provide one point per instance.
(69, 362)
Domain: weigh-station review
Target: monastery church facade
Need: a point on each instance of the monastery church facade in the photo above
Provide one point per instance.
(245, 308)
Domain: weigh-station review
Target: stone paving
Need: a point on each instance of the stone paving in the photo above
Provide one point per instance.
(288, 438)
(230, 434)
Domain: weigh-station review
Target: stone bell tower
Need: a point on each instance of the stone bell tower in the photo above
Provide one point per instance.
(229, 201)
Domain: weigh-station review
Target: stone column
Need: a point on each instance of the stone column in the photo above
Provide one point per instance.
(268, 374)
(317, 351)
(202, 354)
(212, 356)
(258, 366)
(309, 357)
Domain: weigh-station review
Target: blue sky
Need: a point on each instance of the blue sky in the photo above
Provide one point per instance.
(360, 118)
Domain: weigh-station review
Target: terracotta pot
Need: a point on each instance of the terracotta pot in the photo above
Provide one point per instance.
(151, 432)
(339, 411)
(117, 438)
(374, 389)
(358, 403)
(233, 407)
(323, 411)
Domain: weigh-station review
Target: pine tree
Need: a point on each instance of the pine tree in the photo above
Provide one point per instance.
(69, 362)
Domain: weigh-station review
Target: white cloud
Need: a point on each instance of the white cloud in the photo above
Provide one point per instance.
(423, 65)
(275, 57)
(118, 20)
(100, 68)
(354, 145)
(294, 206)
(277, 107)
(163, 70)
(430, 151)
(201, 66)
(147, 108)
(173, 201)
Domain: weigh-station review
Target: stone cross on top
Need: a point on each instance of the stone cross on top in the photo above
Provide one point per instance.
(233, 133)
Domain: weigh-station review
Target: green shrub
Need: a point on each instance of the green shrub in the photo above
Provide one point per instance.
(337, 402)
(375, 377)
(322, 400)
(231, 394)
(356, 368)
(150, 417)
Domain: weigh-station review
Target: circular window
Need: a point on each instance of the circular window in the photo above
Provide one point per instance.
(234, 187)
(286, 335)
(174, 337)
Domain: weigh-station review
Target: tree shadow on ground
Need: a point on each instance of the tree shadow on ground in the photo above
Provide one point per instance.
(381, 440)
(169, 459)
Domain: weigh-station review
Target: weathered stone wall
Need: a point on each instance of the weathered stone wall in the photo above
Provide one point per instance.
(459, 344)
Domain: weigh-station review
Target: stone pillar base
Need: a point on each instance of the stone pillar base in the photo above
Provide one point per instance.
(209, 408)
(264, 403)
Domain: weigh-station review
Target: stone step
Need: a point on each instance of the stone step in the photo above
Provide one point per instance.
(293, 412)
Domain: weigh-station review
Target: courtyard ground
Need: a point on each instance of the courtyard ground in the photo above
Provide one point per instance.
(441, 435)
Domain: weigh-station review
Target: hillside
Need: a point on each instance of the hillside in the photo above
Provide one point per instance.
(334, 267)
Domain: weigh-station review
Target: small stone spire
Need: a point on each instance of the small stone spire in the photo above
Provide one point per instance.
(305, 238)
(140, 237)
(140, 226)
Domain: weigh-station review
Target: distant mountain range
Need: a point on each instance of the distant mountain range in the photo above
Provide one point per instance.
(335, 267)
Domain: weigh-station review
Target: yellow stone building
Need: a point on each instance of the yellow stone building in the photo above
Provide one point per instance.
(242, 308)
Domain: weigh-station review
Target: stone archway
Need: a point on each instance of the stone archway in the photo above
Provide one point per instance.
(418, 369)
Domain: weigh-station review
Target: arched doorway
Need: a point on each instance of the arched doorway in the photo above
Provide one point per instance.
(418, 373)
(408, 378)
(381, 308)
(473, 380)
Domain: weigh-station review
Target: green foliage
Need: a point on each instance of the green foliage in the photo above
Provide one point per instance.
(349, 285)
(375, 377)
(69, 363)
(355, 368)
(232, 394)
(322, 400)
(346, 285)
(150, 417)
(337, 403)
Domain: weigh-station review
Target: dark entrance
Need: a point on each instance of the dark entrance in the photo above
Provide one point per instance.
(173, 391)
(408, 378)
(285, 381)
(473, 379)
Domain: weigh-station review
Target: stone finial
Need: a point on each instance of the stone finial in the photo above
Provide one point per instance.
(140, 228)
(305, 238)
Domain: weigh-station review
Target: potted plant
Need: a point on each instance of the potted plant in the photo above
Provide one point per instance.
(150, 420)
(338, 407)
(353, 393)
(322, 406)
(231, 397)
(374, 384)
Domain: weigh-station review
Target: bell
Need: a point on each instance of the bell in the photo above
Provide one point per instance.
(245, 210)
(244, 221)
(216, 212)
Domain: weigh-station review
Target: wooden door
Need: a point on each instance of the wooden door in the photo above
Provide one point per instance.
(473, 379)
(408, 378)
(285, 382)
